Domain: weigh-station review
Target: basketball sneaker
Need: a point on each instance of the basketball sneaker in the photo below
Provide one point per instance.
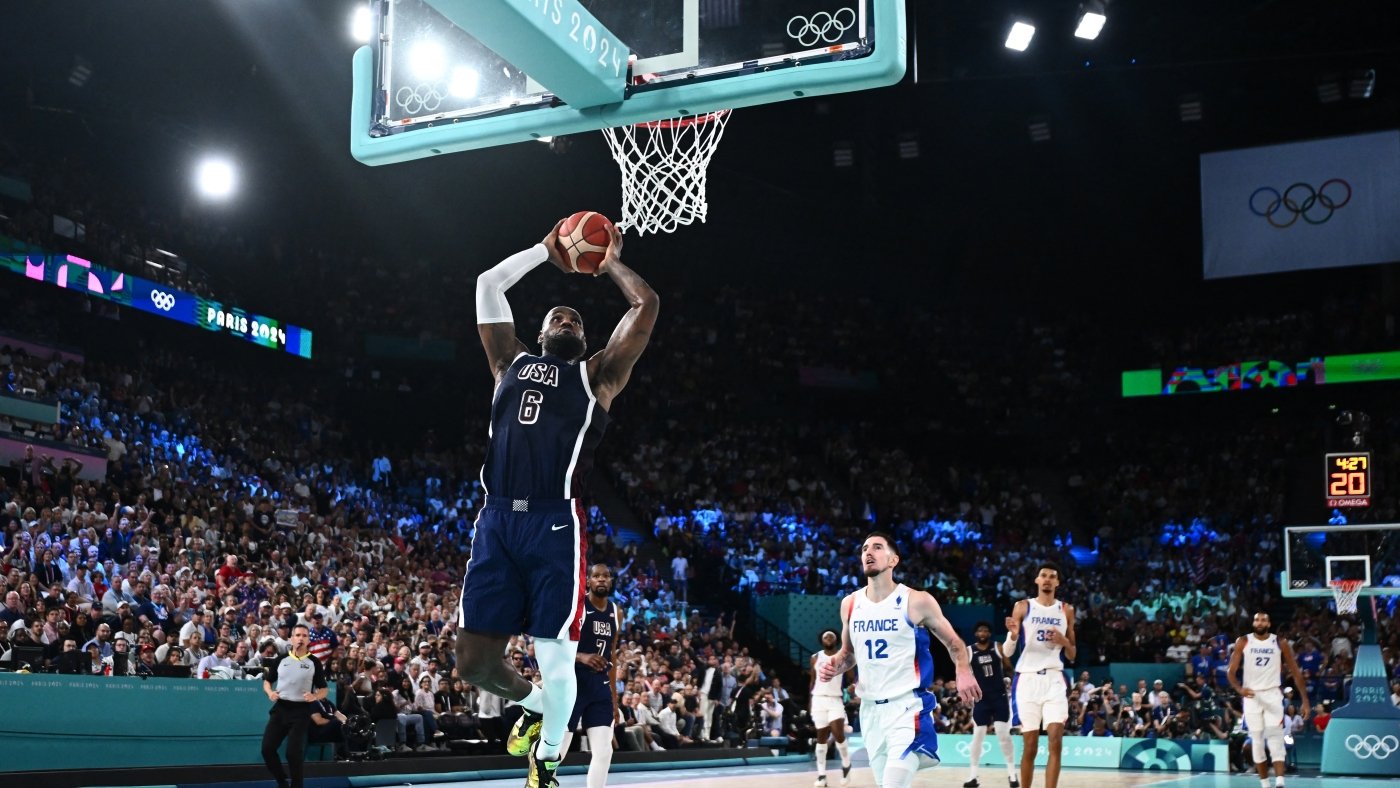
(524, 734)
(821, 781)
(1015, 783)
(845, 776)
(973, 783)
(541, 773)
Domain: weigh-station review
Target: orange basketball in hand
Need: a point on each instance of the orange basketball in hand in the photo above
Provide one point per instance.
(583, 240)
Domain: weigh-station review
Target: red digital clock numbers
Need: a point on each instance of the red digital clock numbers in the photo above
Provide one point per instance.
(1348, 479)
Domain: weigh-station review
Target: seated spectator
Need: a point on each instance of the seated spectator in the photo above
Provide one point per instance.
(209, 664)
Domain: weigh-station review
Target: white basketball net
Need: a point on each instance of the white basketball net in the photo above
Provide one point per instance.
(663, 170)
(1346, 593)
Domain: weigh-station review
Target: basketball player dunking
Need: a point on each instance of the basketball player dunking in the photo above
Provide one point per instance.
(596, 670)
(526, 572)
(889, 624)
(829, 711)
(1039, 693)
(994, 709)
(1263, 655)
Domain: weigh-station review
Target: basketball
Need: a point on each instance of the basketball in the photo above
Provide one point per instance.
(583, 240)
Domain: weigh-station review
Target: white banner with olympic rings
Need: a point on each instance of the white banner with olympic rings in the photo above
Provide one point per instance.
(1317, 204)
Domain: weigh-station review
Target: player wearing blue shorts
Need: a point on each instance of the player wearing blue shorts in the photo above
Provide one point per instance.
(989, 665)
(526, 573)
(595, 711)
(885, 637)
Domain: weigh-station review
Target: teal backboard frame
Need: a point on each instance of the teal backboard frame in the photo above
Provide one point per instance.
(513, 25)
(1376, 572)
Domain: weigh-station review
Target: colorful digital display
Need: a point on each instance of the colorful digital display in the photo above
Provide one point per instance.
(1268, 373)
(75, 273)
(1348, 479)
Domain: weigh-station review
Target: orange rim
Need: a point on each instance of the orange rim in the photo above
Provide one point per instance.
(679, 123)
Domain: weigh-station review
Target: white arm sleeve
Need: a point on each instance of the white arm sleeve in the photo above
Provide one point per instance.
(491, 286)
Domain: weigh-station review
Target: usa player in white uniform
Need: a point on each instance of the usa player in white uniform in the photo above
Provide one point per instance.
(829, 712)
(884, 635)
(1039, 692)
(1262, 655)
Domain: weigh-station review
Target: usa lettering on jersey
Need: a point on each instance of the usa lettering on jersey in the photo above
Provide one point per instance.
(540, 372)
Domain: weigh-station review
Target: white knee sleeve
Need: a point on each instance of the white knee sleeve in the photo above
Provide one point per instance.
(556, 658)
(600, 744)
(1256, 742)
(1008, 748)
(821, 751)
(843, 747)
(1276, 746)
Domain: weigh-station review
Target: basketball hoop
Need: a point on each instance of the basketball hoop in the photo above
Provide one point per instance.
(663, 165)
(1346, 593)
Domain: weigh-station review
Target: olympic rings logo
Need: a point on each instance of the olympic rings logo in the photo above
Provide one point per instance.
(1301, 200)
(822, 26)
(965, 749)
(163, 301)
(1372, 746)
(418, 98)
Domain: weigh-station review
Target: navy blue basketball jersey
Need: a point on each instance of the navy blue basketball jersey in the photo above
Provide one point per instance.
(986, 666)
(545, 424)
(599, 629)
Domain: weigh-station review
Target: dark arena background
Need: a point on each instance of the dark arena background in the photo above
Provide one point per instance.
(1125, 303)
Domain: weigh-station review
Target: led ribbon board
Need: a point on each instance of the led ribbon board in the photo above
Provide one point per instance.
(1268, 373)
(75, 273)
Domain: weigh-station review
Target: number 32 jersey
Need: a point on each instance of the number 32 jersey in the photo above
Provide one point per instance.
(545, 424)
(892, 655)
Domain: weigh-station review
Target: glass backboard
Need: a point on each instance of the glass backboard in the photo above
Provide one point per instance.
(1314, 556)
(429, 85)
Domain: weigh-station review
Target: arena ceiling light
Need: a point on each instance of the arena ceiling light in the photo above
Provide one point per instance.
(1020, 36)
(216, 178)
(1362, 84)
(1091, 19)
(362, 24)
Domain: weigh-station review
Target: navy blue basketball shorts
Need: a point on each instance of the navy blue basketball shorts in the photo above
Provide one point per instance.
(989, 710)
(527, 568)
(593, 708)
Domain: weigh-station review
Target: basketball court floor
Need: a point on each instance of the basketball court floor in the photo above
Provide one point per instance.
(801, 775)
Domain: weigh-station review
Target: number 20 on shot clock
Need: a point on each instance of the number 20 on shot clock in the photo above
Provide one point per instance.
(1348, 479)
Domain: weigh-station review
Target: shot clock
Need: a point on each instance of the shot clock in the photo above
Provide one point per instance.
(1348, 479)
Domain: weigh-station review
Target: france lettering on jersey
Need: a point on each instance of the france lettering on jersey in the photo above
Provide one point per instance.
(892, 655)
(545, 424)
(1039, 652)
(1260, 660)
(986, 666)
(829, 689)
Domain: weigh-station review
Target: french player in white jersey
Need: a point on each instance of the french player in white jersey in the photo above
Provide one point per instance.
(885, 637)
(829, 711)
(1262, 656)
(1039, 692)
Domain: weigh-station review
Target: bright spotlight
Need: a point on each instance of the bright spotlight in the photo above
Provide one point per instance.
(427, 60)
(216, 178)
(1020, 36)
(1090, 23)
(464, 82)
(362, 24)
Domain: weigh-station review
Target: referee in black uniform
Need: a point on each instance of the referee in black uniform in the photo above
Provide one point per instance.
(299, 681)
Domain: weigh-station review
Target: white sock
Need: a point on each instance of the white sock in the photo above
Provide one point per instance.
(974, 757)
(534, 701)
(1278, 781)
(556, 659)
(1264, 782)
(600, 756)
(1008, 749)
(820, 750)
(564, 745)
(844, 748)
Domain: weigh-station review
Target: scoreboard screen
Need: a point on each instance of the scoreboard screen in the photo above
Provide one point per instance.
(1348, 479)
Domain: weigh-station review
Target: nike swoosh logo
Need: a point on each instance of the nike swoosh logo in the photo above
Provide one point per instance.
(560, 527)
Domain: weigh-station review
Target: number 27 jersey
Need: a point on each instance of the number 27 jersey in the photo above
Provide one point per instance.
(545, 424)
